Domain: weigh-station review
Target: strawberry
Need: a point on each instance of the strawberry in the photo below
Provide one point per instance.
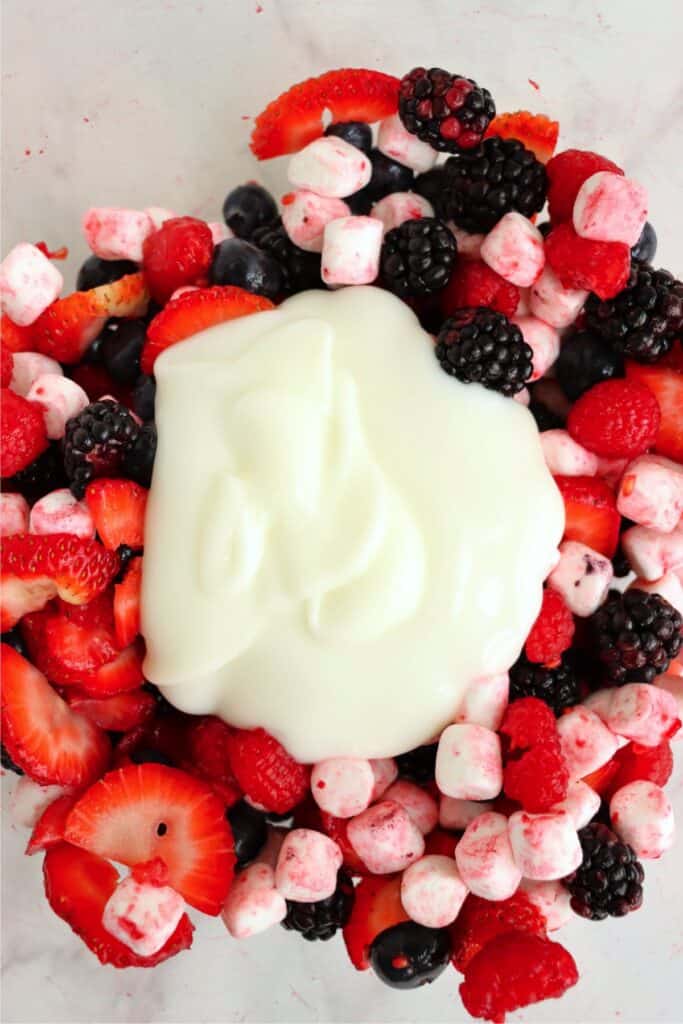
(635, 762)
(295, 118)
(440, 842)
(479, 921)
(22, 432)
(52, 743)
(566, 174)
(600, 267)
(15, 338)
(35, 568)
(666, 384)
(127, 603)
(265, 771)
(309, 815)
(144, 811)
(66, 652)
(49, 829)
(96, 382)
(552, 632)
(118, 509)
(601, 779)
(377, 906)
(474, 283)
(6, 367)
(166, 733)
(590, 510)
(119, 713)
(122, 674)
(96, 614)
(195, 311)
(208, 748)
(617, 419)
(78, 885)
(178, 254)
(536, 131)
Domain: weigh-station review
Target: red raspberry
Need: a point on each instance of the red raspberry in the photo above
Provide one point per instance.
(635, 763)
(528, 721)
(515, 970)
(178, 254)
(473, 283)
(265, 771)
(600, 267)
(480, 921)
(208, 749)
(552, 632)
(617, 419)
(6, 366)
(538, 779)
(22, 432)
(566, 174)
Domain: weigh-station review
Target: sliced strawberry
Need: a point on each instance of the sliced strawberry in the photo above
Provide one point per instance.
(309, 815)
(96, 382)
(66, 652)
(195, 311)
(666, 384)
(591, 515)
(536, 131)
(144, 811)
(377, 906)
(166, 734)
(127, 603)
(49, 829)
(52, 743)
(22, 432)
(96, 614)
(78, 885)
(118, 509)
(441, 843)
(15, 338)
(122, 674)
(6, 366)
(601, 779)
(295, 118)
(119, 713)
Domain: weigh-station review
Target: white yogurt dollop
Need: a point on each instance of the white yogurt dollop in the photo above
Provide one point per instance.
(341, 539)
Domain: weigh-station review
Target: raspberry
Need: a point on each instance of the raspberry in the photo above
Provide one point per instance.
(538, 779)
(635, 762)
(178, 254)
(22, 433)
(208, 742)
(617, 419)
(600, 267)
(265, 771)
(552, 632)
(513, 971)
(6, 367)
(566, 174)
(480, 921)
(527, 722)
(474, 284)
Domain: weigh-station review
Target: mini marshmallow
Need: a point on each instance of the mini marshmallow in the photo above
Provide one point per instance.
(581, 803)
(523, 396)
(545, 846)
(14, 514)
(398, 207)
(485, 701)
(330, 167)
(253, 904)
(29, 800)
(514, 249)
(542, 339)
(611, 471)
(469, 246)
(651, 493)
(585, 741)
(142, 916)
(432, 891)
(652, 553)
(61, 399)
(642, 713)
(458, 814)
(673, 684)
(565, 457)
(610, 208)
(60, 512)
(385, 771)
(469, 763)
(219, 231)
(642, 815)
(582, 576)
(549, 301)
(29, 283)
(553, 900)
(417, 802)
(305, 215)
(669, 586)
(396, 142)
(307, 866)
(270, 851)
(386, 838)
(485, 859)
(159, 215)
(28, 366)
(351, 250)
(113, 233)
(343, 786)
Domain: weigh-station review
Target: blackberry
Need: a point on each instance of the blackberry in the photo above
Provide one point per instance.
(8, 763)
(637, 635)
(545, 418)
(249, 831)
(418, 257)
(483, 347)
(643, 320)
(143, 396)
(322, 920)
(645, 248)
(409, 955)
(418, 765)
(584, 360)
(247, 208)
(485, 183)
(558, 687)
(620, 563)
(387, 176)
(45, 474)
(447, 111)
(241, 263)
(96, 441)
(138, 459)
(609, 881)
(356, 133)
(300, 269)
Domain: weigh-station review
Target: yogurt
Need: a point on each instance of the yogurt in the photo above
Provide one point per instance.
(341, 539)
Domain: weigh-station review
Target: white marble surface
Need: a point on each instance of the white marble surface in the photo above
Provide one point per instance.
(142, 102)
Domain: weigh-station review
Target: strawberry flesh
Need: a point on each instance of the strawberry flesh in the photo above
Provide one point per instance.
(49, 829)
(127, 604)
(118, 510)
(666, 384)
(536, 131)
(22, 432)
(591, 515)
(377, 906)
(118, 713)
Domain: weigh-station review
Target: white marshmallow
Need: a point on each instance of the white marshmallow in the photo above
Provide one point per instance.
(385, 771)
(61, 398)
(305, 215)
(545, 846)
(29, 800)
(29, 283)
(651, 493)
(652, 553)
(159, 215)
(60, 512)
(673, 684)
(432, 891)
(457, 814)
(469, 763)
(669, 586)
(253, 904)
(307, 866)
(28, 366)
(485, 859)
(643, 817)
(469, 246)
(417, 802)
(398, 207)
(351, 250)
(485, 701)
(331, 167)
(610, 208)
(343, 786)
(14, 514)
(586, 742)
(582, 576)
(643, 713)
(565, 457)
(396, 142)
(611, 470)
(553, 900)
(142, 916)
(542, 339)
(581, 803)
(549, 301)
(219, 231)
(114, 233)
(385, 838)
(514, 249)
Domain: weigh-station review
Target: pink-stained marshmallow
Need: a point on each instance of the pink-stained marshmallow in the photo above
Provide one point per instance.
(549, 301)
(351, 250)
(331, 167)
(343, 786)
(586, 742)
(642, 815)
(396, 142)
(60, 512)
(565, 457)
(219, 231)
(28, 801)
(652, 553)
(582, 576)
(553, 900)
(270, 851)
(468, 763)
(469, 246)
(307, 866)
(159, 215)
(182, 291)
(28, 366)
(542, 339)
(642, 713)
(523, 396)
(651, 493)
(386, 838)
(417, 802)
(458, 814)
(14, 514)
(385, 771)
(142, 916)
(669, 586)
(673, 684)
(610, 208)
(29, 283)
(398, 207)
(485, 859)
(61, 398)
(253, 904)
(114, 233)
(581, 803)
(514, 249)
(305, 216)
(432, 891)
(611, 471)
(545, 846)
(485, 701)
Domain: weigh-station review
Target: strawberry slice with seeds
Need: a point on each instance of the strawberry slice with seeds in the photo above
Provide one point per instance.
(195, 311)
(121, 675)
(127, 603)
(143, 811)
(22, 432)
(15, 338)
(377, 906)
(666, 384)
(118, 510)
(536, 131)
(590, 510)
(118, 713)
(49, 829)
(294, 119)
(53, 744)
(65, 651)
(6, 366)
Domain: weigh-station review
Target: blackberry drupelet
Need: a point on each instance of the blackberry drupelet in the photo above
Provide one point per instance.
(7, 762)
(138, 459)
(300, 269)
(418, 257)
(645, 248)
(584, 360)
(409, 955)
(356, 133)
(485, 183)
(479, 346)
(322, 920)
(643, 320)
(558, 687)
(43, 475)
(637, 635)
(96, 442)
(447, 111)
(609, 882)
(418, 765)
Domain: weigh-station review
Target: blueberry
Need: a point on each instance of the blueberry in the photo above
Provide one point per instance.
(95, 272)
(43, 475)
(409, 955)
(545, 228)
(144, 393)
(138, 460)
(585, 360)
(431, 185)
(645, 248)
(248, 207)
(356, 133)
(241, 263)
(387, 176)
(249, 831)
(121, 349)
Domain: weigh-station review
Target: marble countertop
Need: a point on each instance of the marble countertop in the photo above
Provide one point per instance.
(147, 103)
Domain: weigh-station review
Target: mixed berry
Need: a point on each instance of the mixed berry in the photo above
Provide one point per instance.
(543, 797)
